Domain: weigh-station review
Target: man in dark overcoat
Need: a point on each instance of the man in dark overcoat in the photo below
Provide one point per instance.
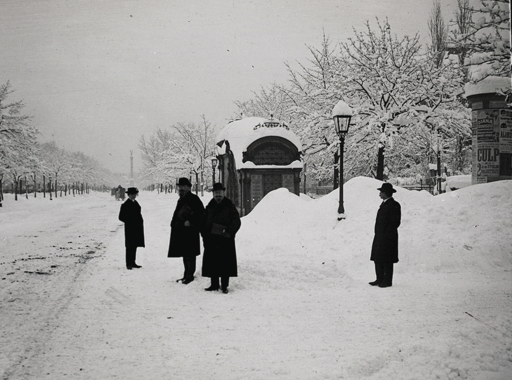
(385, 243)
(185, 225)
(220, 224)
(130, 214)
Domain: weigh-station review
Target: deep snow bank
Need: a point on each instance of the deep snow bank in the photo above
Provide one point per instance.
(464, 230)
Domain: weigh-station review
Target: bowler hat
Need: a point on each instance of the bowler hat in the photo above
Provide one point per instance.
(183, 181)
(218, 186)
(132, 190)
(387, 188)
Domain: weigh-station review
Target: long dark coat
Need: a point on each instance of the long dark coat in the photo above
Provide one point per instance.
(185, 241)
(219, 259)
(130, 214)
(385, 242)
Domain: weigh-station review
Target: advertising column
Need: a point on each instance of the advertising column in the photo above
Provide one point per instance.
(486, 145)
(491, 129)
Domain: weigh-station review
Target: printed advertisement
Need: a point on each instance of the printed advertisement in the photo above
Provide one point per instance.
(505, 121)
(487, 128)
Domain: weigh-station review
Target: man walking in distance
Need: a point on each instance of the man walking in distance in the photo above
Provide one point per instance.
(130, 214)
(385, 242)
(185, 229)
(220, 224)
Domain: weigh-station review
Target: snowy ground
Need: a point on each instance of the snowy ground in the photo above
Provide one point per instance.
(301, 307)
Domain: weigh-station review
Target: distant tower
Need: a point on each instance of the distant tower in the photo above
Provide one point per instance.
(131, 169)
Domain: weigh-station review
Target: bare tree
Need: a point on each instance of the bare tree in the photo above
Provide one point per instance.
(438, 32)
(269, 102)
(182, 150)
(17, 138)
(483, 38)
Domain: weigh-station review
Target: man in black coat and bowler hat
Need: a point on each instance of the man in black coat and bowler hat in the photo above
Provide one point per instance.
(219, 226)
(130, 214)
(385, 242)
(185, 225)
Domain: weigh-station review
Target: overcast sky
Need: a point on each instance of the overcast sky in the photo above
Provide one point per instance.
(97, 74)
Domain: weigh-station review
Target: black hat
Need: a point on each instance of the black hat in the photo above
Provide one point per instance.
(132, 190)
(183, 181)
(387, 188)
(218, 186)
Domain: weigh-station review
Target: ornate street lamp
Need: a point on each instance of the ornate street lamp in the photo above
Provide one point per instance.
(214, 165)
(341, 114)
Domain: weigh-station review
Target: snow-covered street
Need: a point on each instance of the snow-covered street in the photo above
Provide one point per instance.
(301, 307)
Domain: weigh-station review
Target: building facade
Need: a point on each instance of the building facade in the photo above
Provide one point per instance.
(257, 156)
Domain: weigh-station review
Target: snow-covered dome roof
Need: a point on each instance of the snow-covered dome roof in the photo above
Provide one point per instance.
(242, 133)
(489, 85)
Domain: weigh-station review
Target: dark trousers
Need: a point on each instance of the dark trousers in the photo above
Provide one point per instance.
(131, 252)
(384, 272)
(190, 267)
(224, 282)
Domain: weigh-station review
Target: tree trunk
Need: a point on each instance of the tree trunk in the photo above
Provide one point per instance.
(380, 164)
(15, 188)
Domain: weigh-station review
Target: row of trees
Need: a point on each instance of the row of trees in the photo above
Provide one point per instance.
(23, 159)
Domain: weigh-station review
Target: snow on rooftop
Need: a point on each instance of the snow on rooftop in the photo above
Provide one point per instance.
(489, 85)
(242, 133)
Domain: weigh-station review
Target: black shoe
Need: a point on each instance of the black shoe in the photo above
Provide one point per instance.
(129, 268)
(187, 280)
(374, 283)
(181, 279)
(383, 285)
(225, 290)
(212, 289)
(136, 266)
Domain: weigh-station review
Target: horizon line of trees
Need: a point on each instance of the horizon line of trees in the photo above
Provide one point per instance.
(409, 108)
(41, 166)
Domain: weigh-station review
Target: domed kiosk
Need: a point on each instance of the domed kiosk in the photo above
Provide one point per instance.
(256, 156)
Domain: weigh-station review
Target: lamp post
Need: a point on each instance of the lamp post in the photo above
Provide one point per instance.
(50, 185)
(341, 114)
(214, 165)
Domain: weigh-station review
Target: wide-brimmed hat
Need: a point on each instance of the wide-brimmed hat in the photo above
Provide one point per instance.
(218, 186)
(132, 190)
(387, 188)
(183, 181)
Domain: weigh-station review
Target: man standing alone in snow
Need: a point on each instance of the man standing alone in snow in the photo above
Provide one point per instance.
(130, 215)
(385, 242)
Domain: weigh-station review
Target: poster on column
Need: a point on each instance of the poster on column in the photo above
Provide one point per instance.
(487, 144)
(505, 122)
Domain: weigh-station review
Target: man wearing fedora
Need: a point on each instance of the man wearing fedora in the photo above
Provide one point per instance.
(219, 226)
(385, 242)
(185, 224)
(130, 214)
